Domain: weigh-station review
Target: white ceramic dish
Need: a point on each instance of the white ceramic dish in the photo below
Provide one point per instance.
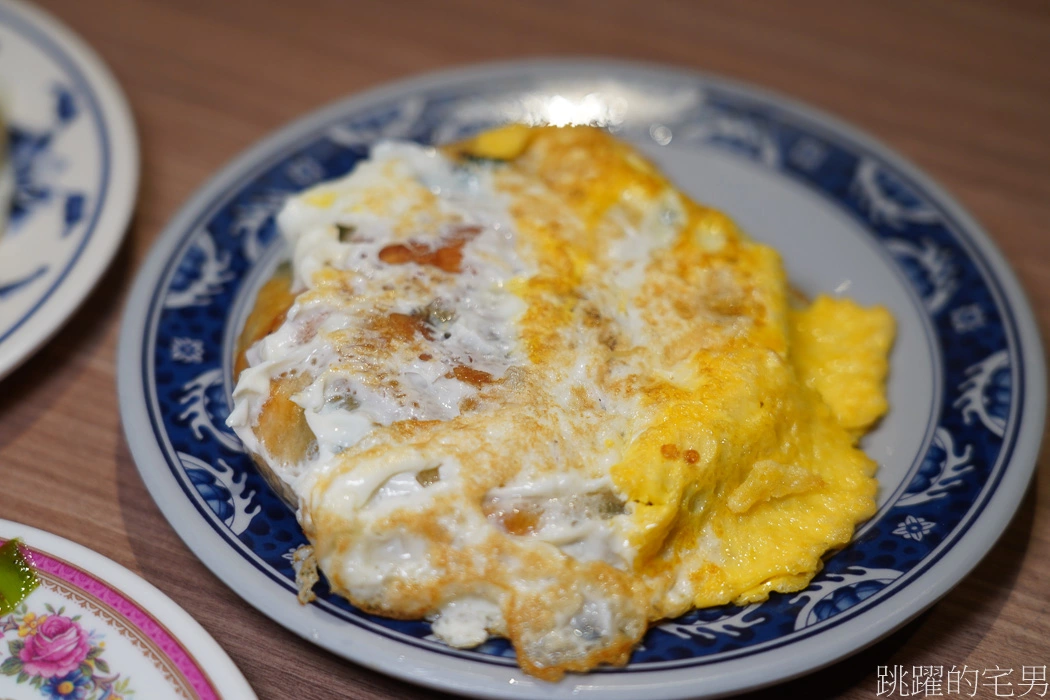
(94, 629)
(956, 451)
(74, 159)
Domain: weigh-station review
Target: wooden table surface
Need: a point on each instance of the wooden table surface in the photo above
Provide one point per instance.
(960, 87)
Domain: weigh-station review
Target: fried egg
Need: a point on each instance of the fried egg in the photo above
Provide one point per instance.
(524, 387)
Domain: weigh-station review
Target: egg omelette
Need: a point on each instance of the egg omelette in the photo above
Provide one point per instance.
(521, 386)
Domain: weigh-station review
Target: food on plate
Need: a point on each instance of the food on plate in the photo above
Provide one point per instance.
(521, 386)
(17, 578)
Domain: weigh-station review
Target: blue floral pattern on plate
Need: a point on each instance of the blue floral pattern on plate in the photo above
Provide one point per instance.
(186, 368)
(72, 163)
(36, 164)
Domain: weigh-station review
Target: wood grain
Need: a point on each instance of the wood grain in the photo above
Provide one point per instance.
(960, 87)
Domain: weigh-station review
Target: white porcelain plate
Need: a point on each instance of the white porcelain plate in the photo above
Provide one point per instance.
(93, 629)
(956, 451)
(73, 158)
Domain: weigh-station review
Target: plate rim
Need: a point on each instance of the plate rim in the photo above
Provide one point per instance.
(864, 629)
(226, 678)
(91, 261)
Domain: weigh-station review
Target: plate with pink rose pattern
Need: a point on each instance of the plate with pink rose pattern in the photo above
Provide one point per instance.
(92, 630)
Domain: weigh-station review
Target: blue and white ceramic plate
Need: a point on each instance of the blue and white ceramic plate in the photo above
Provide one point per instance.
(73, 158)
(956, 450)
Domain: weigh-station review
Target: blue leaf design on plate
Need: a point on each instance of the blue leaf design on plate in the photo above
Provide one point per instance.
(30, 191)
(37, 169)
(189, 269)
(929, 470)
(214, 494)
(998, 393)
(74, 211)
(65, 104)
(987, 392)
(845, 598)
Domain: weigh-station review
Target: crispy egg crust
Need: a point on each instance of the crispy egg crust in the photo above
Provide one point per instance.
(529, 389)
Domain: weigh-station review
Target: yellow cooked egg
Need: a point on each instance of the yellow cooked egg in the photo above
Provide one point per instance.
(523, 387)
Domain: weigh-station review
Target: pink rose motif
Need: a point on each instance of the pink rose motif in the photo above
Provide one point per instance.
(58, 647)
